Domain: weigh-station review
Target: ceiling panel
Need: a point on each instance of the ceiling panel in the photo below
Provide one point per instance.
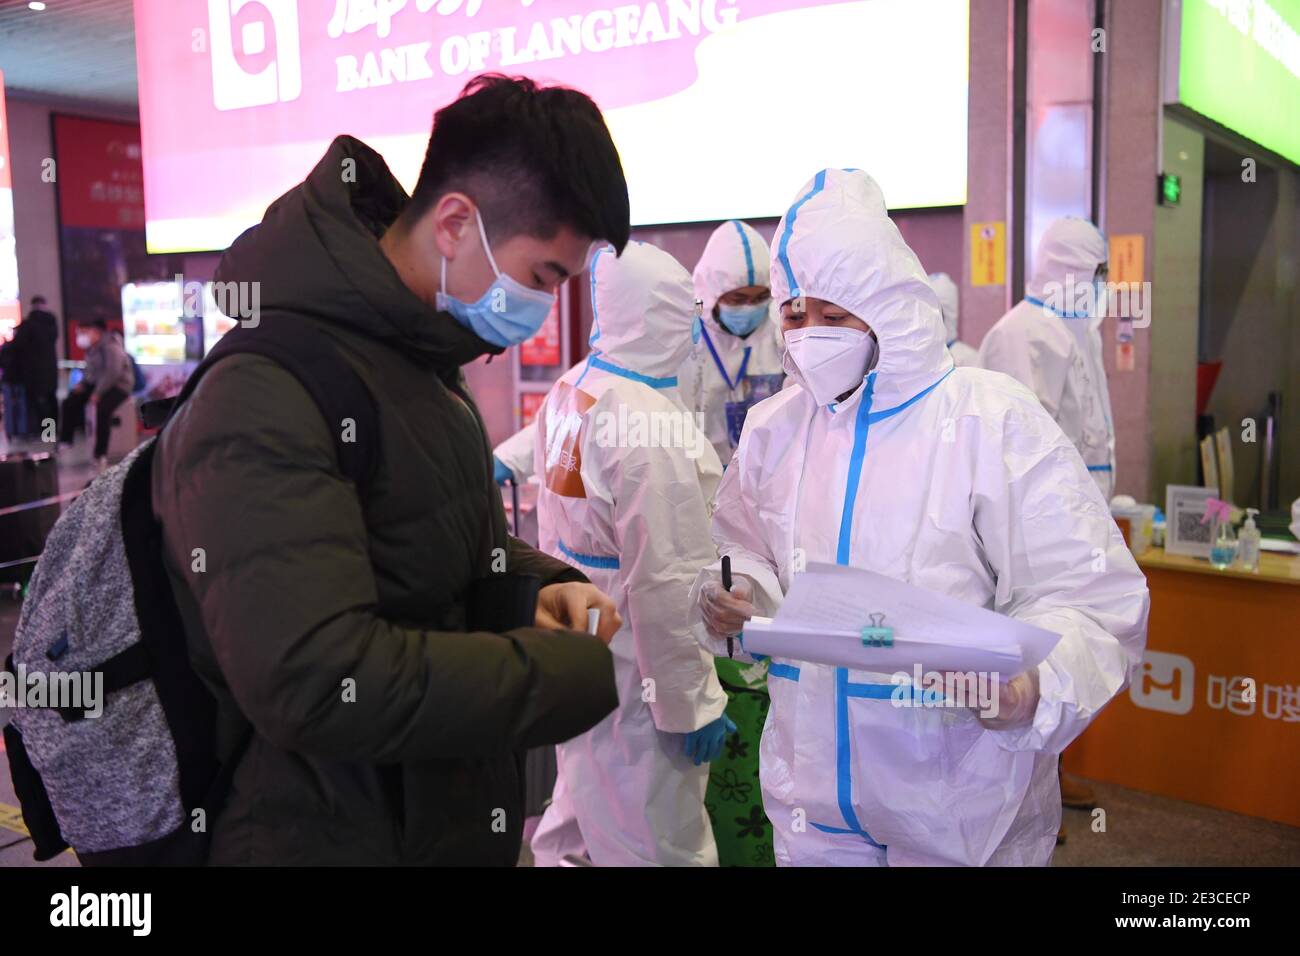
(82, 49)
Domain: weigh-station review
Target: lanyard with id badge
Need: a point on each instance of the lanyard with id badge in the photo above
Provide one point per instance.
(751, 389)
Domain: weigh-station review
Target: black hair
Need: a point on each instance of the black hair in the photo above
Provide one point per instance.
(99, 324)
(38, 300)
(532, 158)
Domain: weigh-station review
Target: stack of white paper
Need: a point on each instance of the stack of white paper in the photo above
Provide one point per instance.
(822, 617)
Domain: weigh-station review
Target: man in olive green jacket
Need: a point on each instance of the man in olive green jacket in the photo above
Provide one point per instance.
(333, 622)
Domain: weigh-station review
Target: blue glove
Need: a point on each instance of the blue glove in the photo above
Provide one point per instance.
(705, 745)
(500, 473)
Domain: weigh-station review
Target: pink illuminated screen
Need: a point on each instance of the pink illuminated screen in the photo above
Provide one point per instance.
(720, 108)
(10, 311)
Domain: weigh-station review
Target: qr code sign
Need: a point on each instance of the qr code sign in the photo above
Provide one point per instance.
(1192, 529)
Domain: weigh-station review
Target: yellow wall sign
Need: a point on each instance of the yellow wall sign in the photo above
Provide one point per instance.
(988, 253)
(1125, 263)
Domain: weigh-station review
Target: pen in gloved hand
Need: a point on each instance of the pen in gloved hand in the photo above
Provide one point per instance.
(726, 585)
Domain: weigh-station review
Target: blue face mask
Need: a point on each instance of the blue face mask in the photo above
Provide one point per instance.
(742, 319)
(507, 313)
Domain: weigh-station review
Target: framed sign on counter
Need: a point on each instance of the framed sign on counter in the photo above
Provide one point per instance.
(1186, 531)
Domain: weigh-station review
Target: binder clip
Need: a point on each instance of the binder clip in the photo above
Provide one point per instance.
(876, 634)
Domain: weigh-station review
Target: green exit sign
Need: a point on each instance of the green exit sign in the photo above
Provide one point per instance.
(1171, 189)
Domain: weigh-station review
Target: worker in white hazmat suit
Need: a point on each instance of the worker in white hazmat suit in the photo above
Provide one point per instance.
(962, 354)
(737, 361)
(1051, 342)
(954, 480)
(627, 474)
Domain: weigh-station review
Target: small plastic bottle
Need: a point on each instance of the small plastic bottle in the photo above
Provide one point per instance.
(1248, 542)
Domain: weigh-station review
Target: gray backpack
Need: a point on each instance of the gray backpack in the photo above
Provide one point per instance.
(121, 782)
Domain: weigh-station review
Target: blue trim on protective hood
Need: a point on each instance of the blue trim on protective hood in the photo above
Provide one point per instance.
(783, 253)
(595, 361)
(749, 255)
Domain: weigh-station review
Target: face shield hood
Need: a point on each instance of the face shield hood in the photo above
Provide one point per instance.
(734, 257)
(837, 243)
(643, 307)
(1066, 260)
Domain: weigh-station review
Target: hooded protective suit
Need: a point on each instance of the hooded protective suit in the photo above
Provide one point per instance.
(1051, 342)
(949, 479)
(726, 374)
(946, 290)
(723, 374)
(627, 477)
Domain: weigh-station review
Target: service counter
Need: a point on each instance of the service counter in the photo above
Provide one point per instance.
(1213, 713)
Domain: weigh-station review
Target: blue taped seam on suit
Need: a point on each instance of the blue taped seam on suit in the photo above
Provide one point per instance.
(595, 361)
(843, 688)
(744, 244)
(866, 691)
(589, 560)
(1060, 315)
(819, 183)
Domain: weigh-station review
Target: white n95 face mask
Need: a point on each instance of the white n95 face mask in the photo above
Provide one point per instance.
(829, 361)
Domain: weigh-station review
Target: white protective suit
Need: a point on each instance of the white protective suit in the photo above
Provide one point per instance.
(624, 500)
(950, 479)
(962, 354)
(1057, 352)
(734, 370)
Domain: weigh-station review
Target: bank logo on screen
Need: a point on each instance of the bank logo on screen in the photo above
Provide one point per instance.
(235, 88)
(1164, 682)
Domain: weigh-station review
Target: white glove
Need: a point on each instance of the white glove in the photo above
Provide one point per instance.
(1017, 702)
(725, 614)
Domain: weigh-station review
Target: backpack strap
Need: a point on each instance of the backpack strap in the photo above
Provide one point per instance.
(300, 348)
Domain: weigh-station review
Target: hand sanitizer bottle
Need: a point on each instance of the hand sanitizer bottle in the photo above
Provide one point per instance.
(1248, 542)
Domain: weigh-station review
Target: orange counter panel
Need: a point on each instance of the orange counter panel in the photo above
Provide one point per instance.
(1195, 737)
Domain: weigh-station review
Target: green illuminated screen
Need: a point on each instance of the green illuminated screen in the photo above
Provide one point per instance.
(1239, 64)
